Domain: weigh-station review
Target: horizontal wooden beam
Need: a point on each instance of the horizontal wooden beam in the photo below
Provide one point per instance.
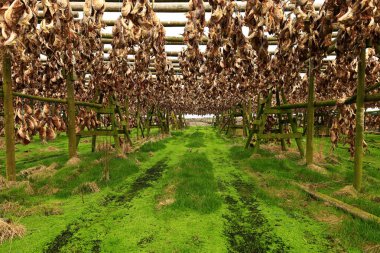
(171, 23)
(279, 136)
(356, 212)
(52, 100)
(326, 103)
(171, 7)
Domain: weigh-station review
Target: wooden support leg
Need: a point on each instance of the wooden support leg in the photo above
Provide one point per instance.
(127, 121)
(115, 128)
(310, 115)
(167, 122)
(359, 131)
(252, 130)
(77, 140)
(280, 123)
(93, 143)
(264, 120)
(10, 162)
(138, 118)
(293, 125)
(142, 128)
(71, 114)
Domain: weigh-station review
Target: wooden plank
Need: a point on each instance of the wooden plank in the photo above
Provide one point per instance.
(105, 110)
(341, 205)
(279, 136)
(95, 133)
(276, 111)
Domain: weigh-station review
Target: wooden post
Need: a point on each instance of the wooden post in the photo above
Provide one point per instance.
(167, 122)
(251, 130)
(263, 117)
(359, 131)
(293, 125)
(115, 129)
(71, 114)
(280, 123)
(10, 162)
(93, 139)
(138, 119)
(310, 115)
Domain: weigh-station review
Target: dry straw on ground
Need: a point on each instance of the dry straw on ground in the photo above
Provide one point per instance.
(10, 230)
(39, 172)
(318, 169)
(87, 187)
(168, 197)
(4, 184)
(327, 217)
(372, 248)
(347, 191)
(73, 161)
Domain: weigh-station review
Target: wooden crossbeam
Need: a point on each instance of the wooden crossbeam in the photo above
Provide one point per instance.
(279, 136)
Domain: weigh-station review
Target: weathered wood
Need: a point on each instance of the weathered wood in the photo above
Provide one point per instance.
(356, 212)
(276, 111)
(106, 110)
(293, 125)
(359, 118)
(350, 100)
(263, 116)
(310, 115)
(280, 123)
(71, 114)
(9, 123)
(254, 126)
(279, 135)
(103, 132)
(115, 129)
(52, 100)
(100, 96)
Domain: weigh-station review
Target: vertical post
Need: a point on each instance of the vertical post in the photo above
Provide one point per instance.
(280, 122)
(359, 131)
(138, 119)
(10, 162)
(293, 125)
(93, 139)
(167, 121)
(115, 129)
(71, 114)
(127, 120)
(310, 115)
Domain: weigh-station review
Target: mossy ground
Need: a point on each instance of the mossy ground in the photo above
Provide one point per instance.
(195, 191)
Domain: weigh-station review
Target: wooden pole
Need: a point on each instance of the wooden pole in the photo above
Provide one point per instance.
(280, 123)
(115, 129)
(71, 114)
(359, 131)
(293, 125)
(10, 162)
(310, 115)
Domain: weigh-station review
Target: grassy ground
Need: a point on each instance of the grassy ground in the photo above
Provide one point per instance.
(193, 192)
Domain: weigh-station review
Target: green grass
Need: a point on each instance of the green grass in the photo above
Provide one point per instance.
(196, 188)
(275, 177)
(196, 191)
